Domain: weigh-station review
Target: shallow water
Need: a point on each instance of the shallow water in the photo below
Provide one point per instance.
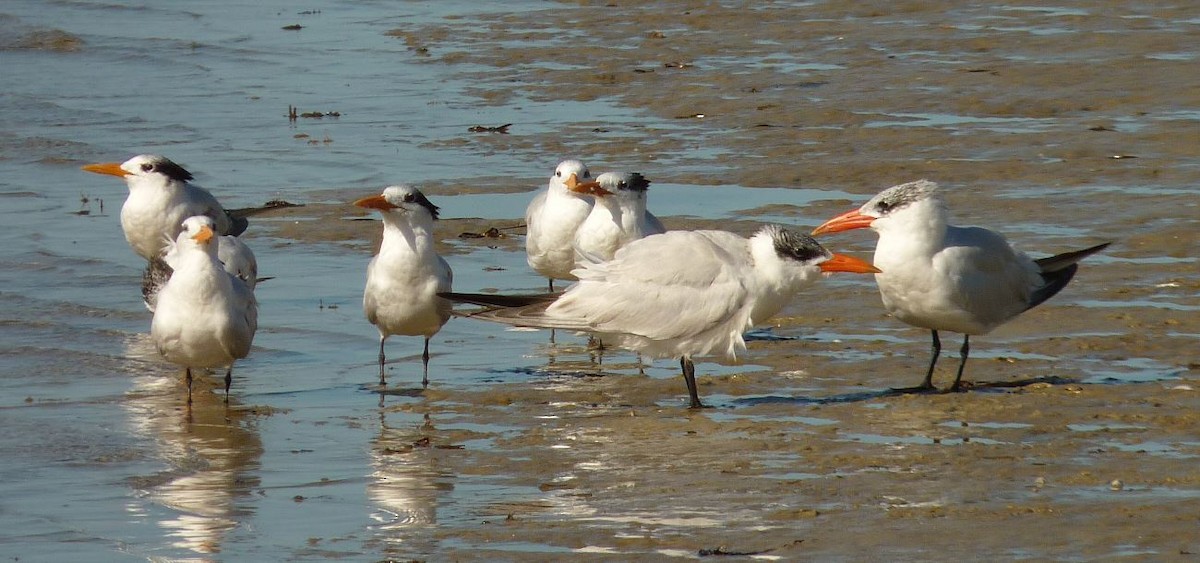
(525, 449)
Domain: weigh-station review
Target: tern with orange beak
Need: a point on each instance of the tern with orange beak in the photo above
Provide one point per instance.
(552, 219)
(946, 278)
(618, 217)
(680, 294)
(206, 318)
(161, 196)
(403, 280)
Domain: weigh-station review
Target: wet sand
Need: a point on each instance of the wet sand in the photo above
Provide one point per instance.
(1027, 122)
(1077, 441)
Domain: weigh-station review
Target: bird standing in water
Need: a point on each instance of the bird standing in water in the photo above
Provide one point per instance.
(161, 197)
(403, 280)
(206, 317)
(552, 219)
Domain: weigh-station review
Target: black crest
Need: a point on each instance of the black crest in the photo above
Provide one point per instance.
(636, 182)
(166, 167)
(797, 246)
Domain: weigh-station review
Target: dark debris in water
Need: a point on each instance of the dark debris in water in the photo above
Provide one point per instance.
(294, 113)
(502, 129)
(722, 551)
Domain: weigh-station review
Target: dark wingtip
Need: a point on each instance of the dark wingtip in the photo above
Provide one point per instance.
(498, 300)
(1060, 261)
(1057, 272)
(237, 225)
(1054, 282)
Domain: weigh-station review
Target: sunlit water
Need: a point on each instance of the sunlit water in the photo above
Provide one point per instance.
(99, 456)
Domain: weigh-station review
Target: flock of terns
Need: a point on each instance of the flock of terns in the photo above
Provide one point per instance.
(636, 285)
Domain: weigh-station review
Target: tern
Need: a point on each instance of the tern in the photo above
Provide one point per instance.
(552, 219)
(206, 318)
(235, 256)
(680, 294)
(403, 280)
(161, 196)
(618, 217)
(946, 278)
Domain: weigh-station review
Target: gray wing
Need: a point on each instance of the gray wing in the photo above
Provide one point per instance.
(666, 286)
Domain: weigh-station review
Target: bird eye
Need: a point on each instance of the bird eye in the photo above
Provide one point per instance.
(558, 173)
(147, 167)
(622, 184)
(883, 207)
(409, 198)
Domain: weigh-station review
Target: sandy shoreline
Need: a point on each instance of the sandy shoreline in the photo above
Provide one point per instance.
(815, 457)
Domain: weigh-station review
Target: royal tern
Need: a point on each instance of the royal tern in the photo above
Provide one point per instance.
(206, 318)
(403, 280)
(552, 219)
(618, 216)
(161, 196)
(235, 256)
(942, 277)
(680, 294)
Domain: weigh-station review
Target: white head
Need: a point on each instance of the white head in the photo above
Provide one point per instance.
(568, 173)
(144, 170)
(800, 250)
(402, 201)
(198, 232)
(615, 188)
(914, 201)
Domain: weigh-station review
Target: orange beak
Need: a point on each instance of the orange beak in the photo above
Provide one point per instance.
(110, 168)
(375, 202)
(205, 235)
(587, 188)
(843, 263)
(844, 222)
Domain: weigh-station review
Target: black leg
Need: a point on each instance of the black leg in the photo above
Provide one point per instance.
(966, 349)
(382, 379)
(425, 361)
(228, 382)
(927, 384)
(936, 350)
(188, 379)
(551, 280)
(689, 377)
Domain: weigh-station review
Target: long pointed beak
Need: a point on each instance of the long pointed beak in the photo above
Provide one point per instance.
(110, 168)
(843, 263)
(205, 235)
(375, 202)
(591, 188)
(844, 222)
